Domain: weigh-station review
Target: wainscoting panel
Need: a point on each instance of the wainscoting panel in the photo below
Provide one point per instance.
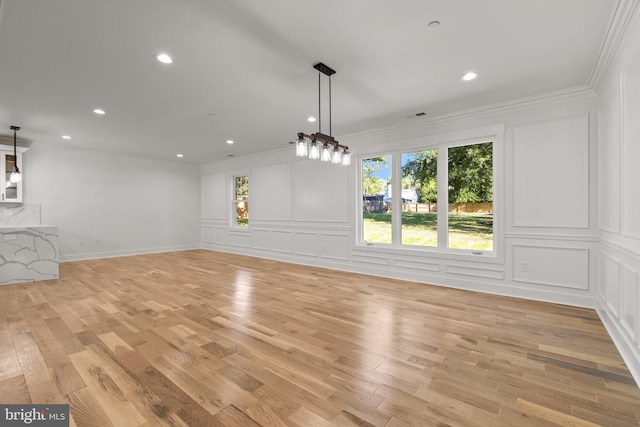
(629, 300)
(260, 239)
(612, 283)
(239, 239)
(334, 246)
(371, 259)
(547, 265)
(463, 270)
(306, 243)
(207, 235)
(416, 264)
(220, 236)
(282, 241)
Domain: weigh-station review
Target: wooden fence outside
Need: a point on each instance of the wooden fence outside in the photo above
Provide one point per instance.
(484, 207)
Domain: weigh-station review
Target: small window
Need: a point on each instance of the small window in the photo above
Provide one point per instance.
(241, 201)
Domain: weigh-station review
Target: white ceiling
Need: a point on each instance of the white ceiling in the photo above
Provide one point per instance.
(243, 68)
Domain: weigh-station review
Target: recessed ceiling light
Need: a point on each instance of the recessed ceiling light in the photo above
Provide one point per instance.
(99, 111)
(66, 137)
(471, 75)
(311, 119)
(164, 58)
(179, 155)
(229, 141)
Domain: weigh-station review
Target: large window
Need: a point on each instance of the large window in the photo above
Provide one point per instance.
(241, 200)
(438, 198)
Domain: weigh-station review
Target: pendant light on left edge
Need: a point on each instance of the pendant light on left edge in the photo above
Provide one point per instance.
(16, 176)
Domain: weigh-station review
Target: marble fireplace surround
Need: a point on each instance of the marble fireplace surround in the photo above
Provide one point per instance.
(28, 249)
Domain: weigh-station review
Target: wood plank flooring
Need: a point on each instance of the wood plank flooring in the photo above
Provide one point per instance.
(200, 338)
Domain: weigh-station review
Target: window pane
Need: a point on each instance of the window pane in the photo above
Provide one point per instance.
(376, 199)
(241, 200)
(419, 198)
(470, 175)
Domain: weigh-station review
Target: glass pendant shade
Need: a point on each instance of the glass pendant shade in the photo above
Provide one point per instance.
(314, 151)
(346, 158)
(15, 177)
(301, 147)
(325, 156)
(336, 158)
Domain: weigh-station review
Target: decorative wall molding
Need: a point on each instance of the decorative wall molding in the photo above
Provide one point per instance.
(416, 265)
(370, 259)
(544, 262)
(560, 237)
(489, 273)
(306, 243)
(535, 201)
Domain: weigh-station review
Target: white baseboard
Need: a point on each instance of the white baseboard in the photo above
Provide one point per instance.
(628, 350)
(128, 252)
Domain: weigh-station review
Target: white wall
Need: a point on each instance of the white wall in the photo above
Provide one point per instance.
(619, 200)
(109, 204)
(305, 211)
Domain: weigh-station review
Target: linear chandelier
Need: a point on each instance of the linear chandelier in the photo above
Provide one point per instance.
(319, 145)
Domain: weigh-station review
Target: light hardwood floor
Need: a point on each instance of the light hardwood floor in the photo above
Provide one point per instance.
(203, 338)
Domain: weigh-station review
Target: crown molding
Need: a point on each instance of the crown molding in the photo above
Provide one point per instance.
(574, 93)
(621, 23)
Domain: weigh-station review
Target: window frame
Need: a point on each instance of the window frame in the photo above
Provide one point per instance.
(441, 143)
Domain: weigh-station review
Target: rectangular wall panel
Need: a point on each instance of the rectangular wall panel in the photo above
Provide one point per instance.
(334, 246)
(489, 273)
(380, 260)
(551, 174)
(321, 193)
(563, 267)
(416, 265)
(207, 234)
(214, 196)
(220, 236)
(609, 160)
(629, 299)
(613, 286)
(239, 239)
(631, 148)
(260, 239)
(281, 241)
(270, 192)
(306, 244)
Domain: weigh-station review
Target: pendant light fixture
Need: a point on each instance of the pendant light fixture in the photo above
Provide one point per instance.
(319, 145)
(16, 176)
